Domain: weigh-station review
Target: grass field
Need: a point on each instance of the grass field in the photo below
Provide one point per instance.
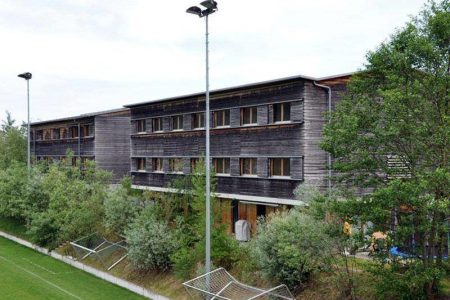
(26, 274)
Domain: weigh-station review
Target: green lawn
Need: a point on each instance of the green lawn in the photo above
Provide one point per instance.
(27, 274)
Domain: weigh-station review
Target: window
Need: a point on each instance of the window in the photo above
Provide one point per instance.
(157, 164)
(74, 161)
(85, 161)
(63, 133)
(73, 132)
(248, 166)
(141, 126)
(221, 165)
(176, 165)
(177, 122)
(86, 130)
(47, 134)
(249, 115)
(56, 134)
(39, 135)
(221, 118)
(194, 163)
(198, 120)
(280, 167)
(157, 124)
(140, 164)
(281, 112)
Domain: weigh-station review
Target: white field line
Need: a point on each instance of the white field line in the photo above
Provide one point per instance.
(39, 266)
(97, 273)
(37, 276)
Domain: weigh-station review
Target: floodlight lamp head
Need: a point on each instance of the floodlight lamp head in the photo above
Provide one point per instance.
(26, 76)
(210, 4)
(195, 11)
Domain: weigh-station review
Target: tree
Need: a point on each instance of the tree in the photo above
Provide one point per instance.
(291, 247)
(13, 143)
(390, 136)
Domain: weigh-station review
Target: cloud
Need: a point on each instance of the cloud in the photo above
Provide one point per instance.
(94, 55)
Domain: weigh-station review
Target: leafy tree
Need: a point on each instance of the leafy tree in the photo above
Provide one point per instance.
(191, 228)
(13, 143)
(151, 242)
(122, 206)
(390, 136)
(291, 247)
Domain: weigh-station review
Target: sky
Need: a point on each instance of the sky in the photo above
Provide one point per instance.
(94, 55)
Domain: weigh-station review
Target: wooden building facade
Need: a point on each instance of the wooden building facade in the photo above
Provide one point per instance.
(264, 142)
(102, 136)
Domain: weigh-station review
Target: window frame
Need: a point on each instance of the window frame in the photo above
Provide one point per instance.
(159, 121)
(253, 166)
(141, 164)
(284, 162)
(282, 112)
(223, 172)
(172, 164)
(200, 118)
(141, 126)
(178, 119)
(223, 114)
(157, 165)
(253, 115)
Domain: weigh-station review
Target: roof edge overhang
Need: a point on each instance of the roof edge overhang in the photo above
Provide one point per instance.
(240, 87)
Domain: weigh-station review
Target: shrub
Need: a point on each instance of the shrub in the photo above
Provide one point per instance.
(121, 207)
(151, 242)
(291, 247)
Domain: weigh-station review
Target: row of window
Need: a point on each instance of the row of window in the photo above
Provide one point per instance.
(85, 130)
(63, 159)
(220, 118)
(247, 166)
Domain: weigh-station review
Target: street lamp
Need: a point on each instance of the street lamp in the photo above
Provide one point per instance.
(210, 7)
(27, 76)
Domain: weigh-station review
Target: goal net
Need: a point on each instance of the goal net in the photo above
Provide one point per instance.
(219, 284)
(96, 249)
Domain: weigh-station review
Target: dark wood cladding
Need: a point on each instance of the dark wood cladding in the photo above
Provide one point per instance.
(60, 147)
(112, 144)
(272, 140)
(255, 96)
(274, 188)
(299, 139)
(108, 142)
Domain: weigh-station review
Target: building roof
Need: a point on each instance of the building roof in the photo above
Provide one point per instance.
(82, 116)
(239, 87)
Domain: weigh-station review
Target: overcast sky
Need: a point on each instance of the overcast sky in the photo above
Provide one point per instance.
(91, 55)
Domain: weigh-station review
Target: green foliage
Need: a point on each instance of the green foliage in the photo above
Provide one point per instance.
(13, 143)
(189, 258)
(70, 205)
(13, 191)
(291, 247)
(151, 242)
(400, 282)
(390, 135)
(122, 206)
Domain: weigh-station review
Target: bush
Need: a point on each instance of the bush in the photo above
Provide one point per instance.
(291, 247)
(13, 191)
(151, 242)
(121, 207)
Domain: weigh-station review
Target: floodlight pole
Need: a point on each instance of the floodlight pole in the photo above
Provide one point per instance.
(207, 162)
(27, 76)
(211, 7)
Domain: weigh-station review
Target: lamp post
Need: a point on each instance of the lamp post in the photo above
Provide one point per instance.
(27, 76)
(210, 7)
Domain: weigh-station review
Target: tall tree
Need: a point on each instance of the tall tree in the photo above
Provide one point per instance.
(390, 136)
(13, 143)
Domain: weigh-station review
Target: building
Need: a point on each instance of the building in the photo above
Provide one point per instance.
(101, 136)
(264, 141)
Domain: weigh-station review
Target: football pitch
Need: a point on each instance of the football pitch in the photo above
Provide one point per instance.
(26, 274)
